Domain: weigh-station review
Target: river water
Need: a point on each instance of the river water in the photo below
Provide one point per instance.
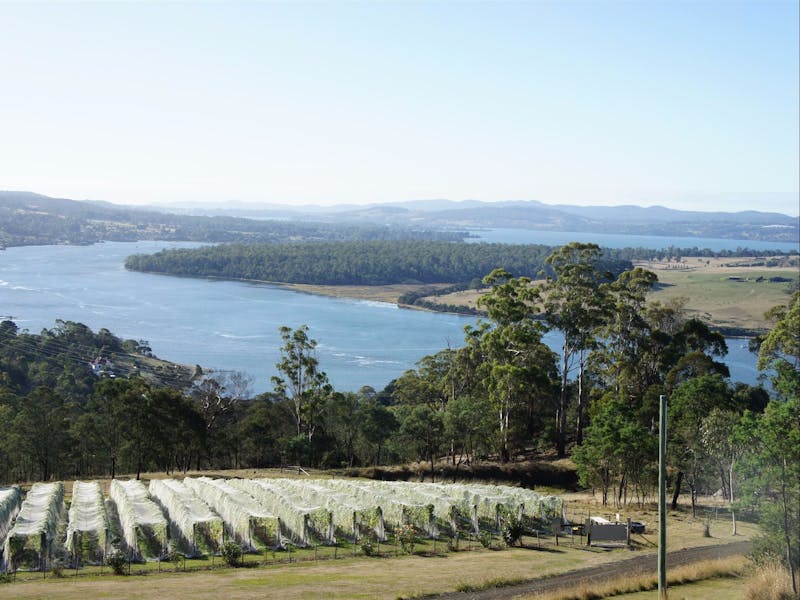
(231, 325)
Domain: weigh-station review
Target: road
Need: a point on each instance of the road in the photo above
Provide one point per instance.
(644, 563)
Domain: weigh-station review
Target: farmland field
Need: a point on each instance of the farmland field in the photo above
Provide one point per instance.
(724, 292)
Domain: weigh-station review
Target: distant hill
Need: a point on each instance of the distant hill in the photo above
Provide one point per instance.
(531, 214)
(33, 219)
(28, 218)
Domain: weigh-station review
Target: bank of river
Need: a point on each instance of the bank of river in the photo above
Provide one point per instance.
(231, 325)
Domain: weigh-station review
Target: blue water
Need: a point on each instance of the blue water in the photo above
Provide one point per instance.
(230, 325)
(614, 240)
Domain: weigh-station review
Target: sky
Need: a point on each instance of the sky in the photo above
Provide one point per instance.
(691, 105)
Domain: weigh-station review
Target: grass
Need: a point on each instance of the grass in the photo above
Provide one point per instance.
(711, 589)
(620, 588)
(713, 297)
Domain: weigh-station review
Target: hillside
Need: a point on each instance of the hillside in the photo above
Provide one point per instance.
(33, 219)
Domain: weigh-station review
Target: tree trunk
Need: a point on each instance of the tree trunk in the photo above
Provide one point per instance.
(733, 513)
(677, 492)
(579, 424)
(561, 432)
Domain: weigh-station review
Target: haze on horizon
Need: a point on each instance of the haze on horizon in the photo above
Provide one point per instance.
(690, 106)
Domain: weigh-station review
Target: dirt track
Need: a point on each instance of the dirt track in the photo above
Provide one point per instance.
(644, 563)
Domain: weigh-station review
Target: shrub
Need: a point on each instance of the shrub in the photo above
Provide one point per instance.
(57, 568)
(512, 530)
(452, 543)
(485, 538)
(117, 561)
(367, 547)
(407, 536)
(231, 553)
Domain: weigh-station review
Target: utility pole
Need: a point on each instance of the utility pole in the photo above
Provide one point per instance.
(662, 498)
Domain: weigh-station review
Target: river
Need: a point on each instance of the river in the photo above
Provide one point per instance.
(231, 325)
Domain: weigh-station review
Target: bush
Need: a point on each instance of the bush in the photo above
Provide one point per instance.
(452, 543)
(367, 547)
(231, 553)
(485, 538)
(512, 530)
(57, 568)
(407, 536)
(117, 561)
(172, 555)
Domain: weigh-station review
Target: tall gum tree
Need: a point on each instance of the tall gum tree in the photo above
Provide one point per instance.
(514, 365)
(575, 302)
(301, 380)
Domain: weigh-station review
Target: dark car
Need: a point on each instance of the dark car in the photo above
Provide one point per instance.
(637, 527)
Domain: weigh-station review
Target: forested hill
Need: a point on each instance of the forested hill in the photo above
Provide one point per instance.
(32, 219)
(352, 263)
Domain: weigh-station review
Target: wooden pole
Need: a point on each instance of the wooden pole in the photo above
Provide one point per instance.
(662, 499)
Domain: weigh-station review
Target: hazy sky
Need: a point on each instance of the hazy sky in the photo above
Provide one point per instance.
(685, 104)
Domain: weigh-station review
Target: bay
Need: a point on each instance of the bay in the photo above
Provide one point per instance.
(231, 325)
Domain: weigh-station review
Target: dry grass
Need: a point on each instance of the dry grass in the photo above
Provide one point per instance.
(374, 293)
(729, 567)
(706, 285)
(769, 582)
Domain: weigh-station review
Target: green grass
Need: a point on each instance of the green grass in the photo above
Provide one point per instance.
(714, 297)
(711, 589)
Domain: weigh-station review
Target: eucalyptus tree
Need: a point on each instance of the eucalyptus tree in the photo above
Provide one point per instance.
(301, 381)
(770, 480)
(724, 444)
(574, 302)
(779, 350)
(513, 365)
(617, 452)
(771, 469)
(690, 404)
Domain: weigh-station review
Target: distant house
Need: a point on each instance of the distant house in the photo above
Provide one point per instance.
(102, 367)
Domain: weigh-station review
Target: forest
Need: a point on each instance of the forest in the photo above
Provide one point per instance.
(502, 396)
(354, 262)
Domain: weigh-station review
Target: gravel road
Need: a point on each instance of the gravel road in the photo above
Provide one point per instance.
(644, 563)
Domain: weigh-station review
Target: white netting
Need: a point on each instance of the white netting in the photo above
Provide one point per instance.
(10, 501)
(454, 512)
(351, 516)
(197, 523)
(88, 522)
(243, 515)
(143, 524)
(36, 525)
(304, 521)
(397, 509)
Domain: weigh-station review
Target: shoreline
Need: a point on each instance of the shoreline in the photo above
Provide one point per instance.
(712, 311)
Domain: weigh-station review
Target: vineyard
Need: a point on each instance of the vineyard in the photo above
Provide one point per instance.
(198, 516)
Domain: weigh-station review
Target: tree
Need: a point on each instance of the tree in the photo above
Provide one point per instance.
(771, 469)
(40, 430)
(513, 365)
(720, 438)
(575, 303)
(780, 349)
(691, 402)
(771, 479)
(302, 382)
(616, 449)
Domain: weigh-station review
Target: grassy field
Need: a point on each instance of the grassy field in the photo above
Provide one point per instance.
(723, 292)
(431, 569)
(727, 293)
